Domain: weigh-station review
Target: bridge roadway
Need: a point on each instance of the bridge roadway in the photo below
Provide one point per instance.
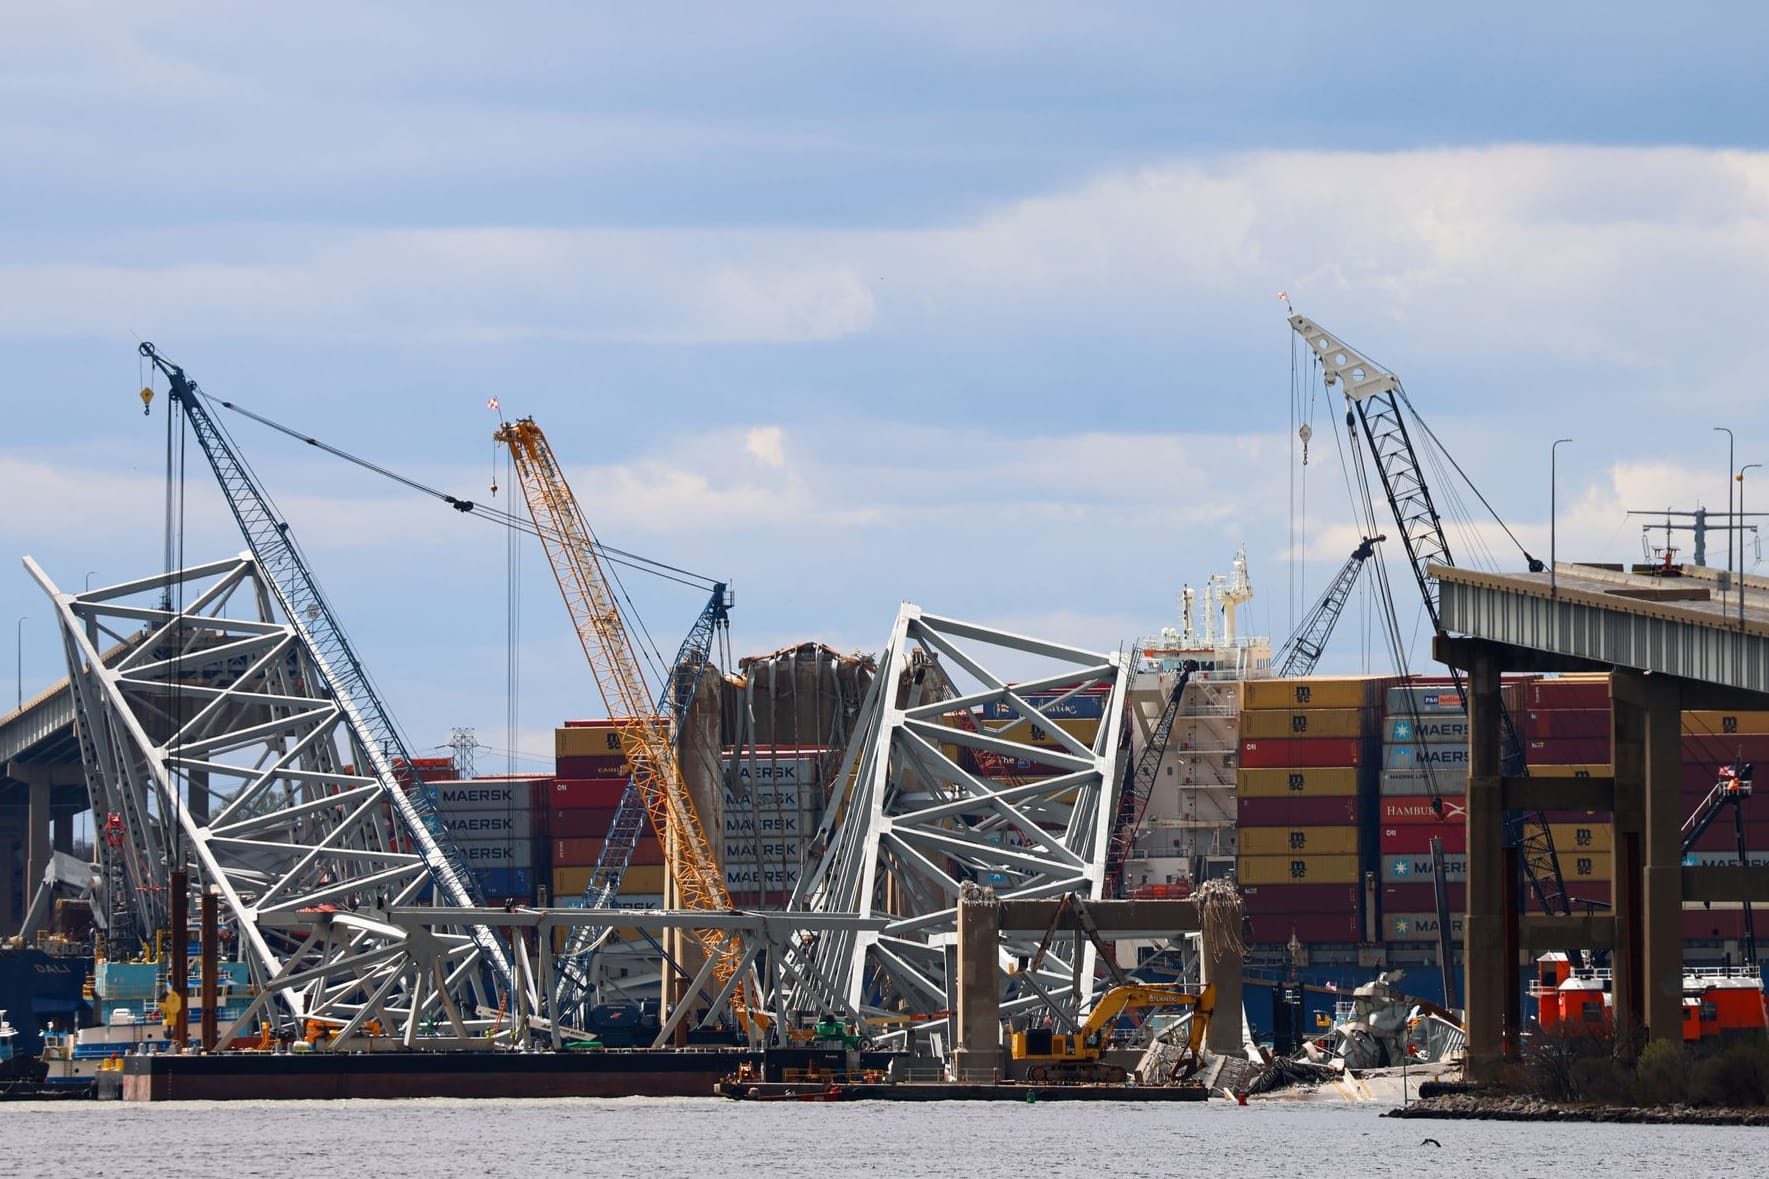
(42, 788)
(1671, 643)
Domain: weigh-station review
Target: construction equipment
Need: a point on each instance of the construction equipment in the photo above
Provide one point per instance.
(1139, 784)
(1077, 1059)
(572, 993)
(1302, 650)
(1731, 787)
(1374, 400)
(644, 731)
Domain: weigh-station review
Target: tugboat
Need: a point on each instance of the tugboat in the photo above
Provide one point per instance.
(20, 1076)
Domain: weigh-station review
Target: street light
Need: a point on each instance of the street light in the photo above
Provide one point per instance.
(18, 649)
(1553, 495)
(1729, 520)
(1740, 476)
(90, 573)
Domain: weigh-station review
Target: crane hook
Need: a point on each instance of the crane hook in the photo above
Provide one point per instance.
(147, 400)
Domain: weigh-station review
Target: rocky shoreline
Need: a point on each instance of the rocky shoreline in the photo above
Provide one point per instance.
(1493, 1107)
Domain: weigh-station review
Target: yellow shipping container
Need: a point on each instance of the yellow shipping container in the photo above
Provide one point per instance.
(1570, 771)
(600, 741)
(1292, 841)
(1083, 729)
(1312, 692)
(1303, 782)
(1297, 869)
(1579, 839)
(1722, 724)
(571, 882)
(1581, 865)
(1314, 722)
(642, 880)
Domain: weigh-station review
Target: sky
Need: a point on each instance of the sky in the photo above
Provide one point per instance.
(967, 304)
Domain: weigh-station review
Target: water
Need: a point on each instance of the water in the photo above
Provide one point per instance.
(676, 1137)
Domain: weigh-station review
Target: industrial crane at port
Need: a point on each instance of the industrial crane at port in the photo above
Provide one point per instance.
(1732, 785)
(644, 730)
(1139, 784)
(1374, 401)
(1302, 650)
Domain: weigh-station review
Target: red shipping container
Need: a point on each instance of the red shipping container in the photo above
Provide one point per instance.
(1723, 837)
(1567, 751)
(600, 766)
(580, 822)
(1307, 928)
(588, 724)
(577, 853)
(1575, 723)
(1420, 898)
(1718, 749)
(1279, 752)
(1416, 809)
(1547, 695)
(1714, 924)
(1414, 839)
(1301, 898)
(1297, 812)
(573, 793)
(1581, 893)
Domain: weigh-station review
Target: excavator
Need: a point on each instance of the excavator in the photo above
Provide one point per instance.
(1078, 1058)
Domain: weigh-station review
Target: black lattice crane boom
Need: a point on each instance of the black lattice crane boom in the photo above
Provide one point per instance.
(1302, 650)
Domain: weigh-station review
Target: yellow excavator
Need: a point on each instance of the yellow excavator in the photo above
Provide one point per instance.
(1074, 1059)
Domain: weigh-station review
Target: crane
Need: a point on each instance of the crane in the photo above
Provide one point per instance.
(1374, 401)
(1139, 784)
(377, 739)
(1731, 787)
(644, 730)
(692, 659)
(1302, 650)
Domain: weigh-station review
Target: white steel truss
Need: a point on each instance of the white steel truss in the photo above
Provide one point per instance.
(218, 743)
(955, 775)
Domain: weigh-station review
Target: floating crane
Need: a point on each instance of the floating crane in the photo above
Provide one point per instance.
(1302, 650)
(644, 730)
(1374, 401)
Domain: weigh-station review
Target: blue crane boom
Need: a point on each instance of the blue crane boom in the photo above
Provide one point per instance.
(377, 740)
(1302, 650)
(692, 659)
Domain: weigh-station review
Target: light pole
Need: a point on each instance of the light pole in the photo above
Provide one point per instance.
(90, 573)
(18, 651)
(1553, 496)
(1729, 441)
(1740, 477)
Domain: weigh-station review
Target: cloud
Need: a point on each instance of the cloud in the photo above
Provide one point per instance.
(766, 444)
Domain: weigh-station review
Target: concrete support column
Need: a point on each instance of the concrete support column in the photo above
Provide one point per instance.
(1484, 927)
(37, 859)
(1662, 874)
(1628, 760)
(63, 833)
(976, 1055)
(10, 915)
(1224, 965)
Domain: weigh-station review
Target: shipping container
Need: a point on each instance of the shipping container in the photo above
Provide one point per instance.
(581, 823)
(1577, 838)
(1717, 750)
(766, 878)
(1414, 839)
(1276, 753)
(1309, 812)
(1722, 922)
(1302, 898)
(592, 767)
(1563, 751)
(1423, 784)
(489, 826)
(1289, 841)
(1087, 704)
(1567, 691)
(1722, 836)
(1418, 927)
(1445, 757)
(579, 793)
(576, 853)
(1580, 724)
(1417, 810)
(1725, 724)
(1441, 729)
(483, 856)
(503, 884)
(763, 771)
(1298, 782)
(1586, 770)
(1425, 699)
(1298, 869)
(1314, 692)
(1312, 722)
(1421, 897)
(1399, 869)
(482, 794)
(587, 741)
(1040, 734)
(1308, 929)
(1726, 858)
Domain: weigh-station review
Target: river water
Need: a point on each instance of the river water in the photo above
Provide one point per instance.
(678, 1138)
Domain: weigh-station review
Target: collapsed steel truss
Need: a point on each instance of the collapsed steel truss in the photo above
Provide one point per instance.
(219, 744)
(913, 817)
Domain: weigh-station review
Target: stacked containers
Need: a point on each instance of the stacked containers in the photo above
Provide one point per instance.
(1304, 787)
(592, 773)
(493, 822)
(772, 806)
(1565, 729)
(1424, 760)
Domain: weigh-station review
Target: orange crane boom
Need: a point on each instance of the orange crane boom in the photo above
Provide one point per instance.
(644, 734)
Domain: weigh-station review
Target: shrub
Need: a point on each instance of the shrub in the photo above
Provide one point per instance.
(1737, 1076)
(1601, 1079)
(1662, 1075)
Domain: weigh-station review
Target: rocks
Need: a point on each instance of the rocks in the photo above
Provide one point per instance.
(1497, 1107)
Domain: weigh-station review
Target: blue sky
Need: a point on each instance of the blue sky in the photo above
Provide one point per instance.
(966, 304)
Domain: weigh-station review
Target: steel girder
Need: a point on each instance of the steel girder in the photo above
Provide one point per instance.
(220, 745)
(910, 821)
